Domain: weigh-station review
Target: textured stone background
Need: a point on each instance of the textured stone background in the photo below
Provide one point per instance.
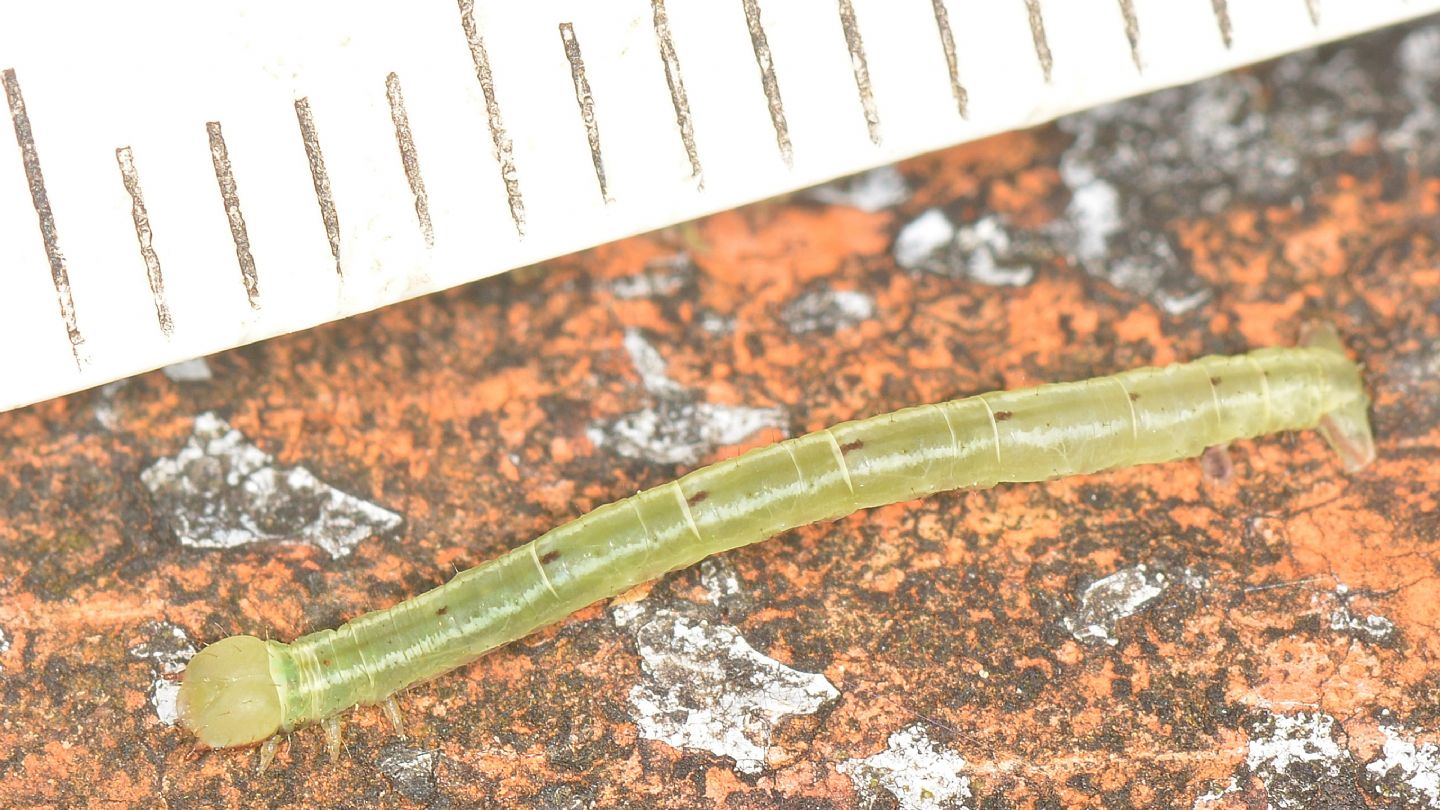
(1193, 634)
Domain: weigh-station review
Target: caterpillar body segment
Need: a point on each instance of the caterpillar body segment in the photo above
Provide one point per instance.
(241, 690)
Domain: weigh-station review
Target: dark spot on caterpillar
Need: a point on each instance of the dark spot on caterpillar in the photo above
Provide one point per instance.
(549, 557)
(1001, 416)
(326, 662)
(1134, 397)
(1214, 380)
(848, 446)
(698, 497)
(443, 610)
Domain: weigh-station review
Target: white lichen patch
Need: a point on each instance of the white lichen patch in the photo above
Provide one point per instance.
(1301, 762)
(827, 310)
(716, 324)
(1094, 211)
(919, 772)
(1416, 367)
(659, 278)
(675, 429)
(196, 370)
(1288, 740)
(168, 648)
(411, 771)
(1175, 303)
(105, 409)
(1216, 794)
(982, 252)
(922, 238)
(4, 645)
(1370, 627)
(649, 364)
(1194, 579)
(706, 688)
(221, 491)
(1404, 772)
(673, 432)
(1416, 58)
(722, 583)
(870, 191)
(1112, 598)
(1251, 138)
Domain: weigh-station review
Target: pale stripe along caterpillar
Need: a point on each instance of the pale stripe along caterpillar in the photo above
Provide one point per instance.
(242, 690)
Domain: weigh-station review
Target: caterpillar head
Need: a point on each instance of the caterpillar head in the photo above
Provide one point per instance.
(228, 697)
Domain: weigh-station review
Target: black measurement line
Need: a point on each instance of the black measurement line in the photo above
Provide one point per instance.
(145, 236)
(1132, 31)
(586, 102)
(947, 42)
(1313, 6)
(321, 178)
(408, 157)
(1222, 19)
(861, 68)
(30, 159)
(1037, 33)
(504, 150)
(677, 89)
(768, 81)
(225, 177)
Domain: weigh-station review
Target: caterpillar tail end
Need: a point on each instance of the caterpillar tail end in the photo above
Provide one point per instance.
(228, 697)
(1346, 428)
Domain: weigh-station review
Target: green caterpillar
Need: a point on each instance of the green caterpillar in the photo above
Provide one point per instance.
(242, 690)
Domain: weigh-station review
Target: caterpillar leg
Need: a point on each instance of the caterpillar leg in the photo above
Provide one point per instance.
(1217, 466)
(333, 740)
(392, 713)
(267, 752)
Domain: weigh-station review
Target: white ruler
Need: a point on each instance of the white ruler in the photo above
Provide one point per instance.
(188, 177)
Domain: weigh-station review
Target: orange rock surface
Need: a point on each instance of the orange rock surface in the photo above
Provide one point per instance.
(485, 415)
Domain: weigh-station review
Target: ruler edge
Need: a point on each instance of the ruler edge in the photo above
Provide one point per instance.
(1406, 17)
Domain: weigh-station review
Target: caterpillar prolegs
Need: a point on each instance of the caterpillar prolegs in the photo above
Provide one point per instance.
(242, 690)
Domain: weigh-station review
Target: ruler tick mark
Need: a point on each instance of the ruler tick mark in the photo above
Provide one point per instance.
(947, 42)
(229, 195)
(504, 149)
(145, 236)
(677, 89)
(310, 137)
(409, 158)
(1132, 31)
(1037, 33)
(768, 81)
(861, 68)
(1222, 19)
(30, 160)
(586, 102)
